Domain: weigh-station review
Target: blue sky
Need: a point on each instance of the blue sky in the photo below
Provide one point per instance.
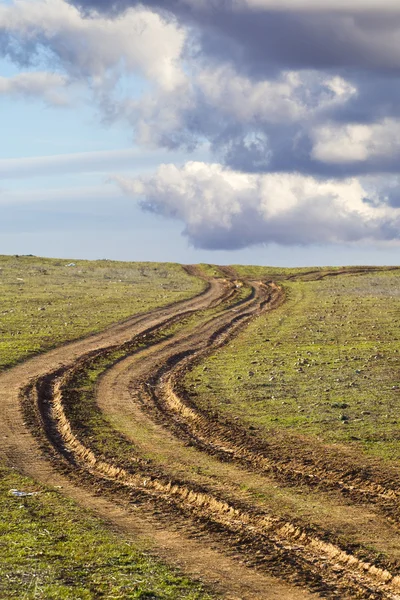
(263, 163)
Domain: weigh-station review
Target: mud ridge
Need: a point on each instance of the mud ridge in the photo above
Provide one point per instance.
(297, 552)
(290, 551)
(310, 465)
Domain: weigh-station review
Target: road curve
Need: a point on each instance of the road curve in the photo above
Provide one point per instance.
(21, 449)
(149, 377)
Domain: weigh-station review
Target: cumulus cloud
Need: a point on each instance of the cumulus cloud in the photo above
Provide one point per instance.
(223, 209)
(207, 75)
(232, 111)
(291, 97)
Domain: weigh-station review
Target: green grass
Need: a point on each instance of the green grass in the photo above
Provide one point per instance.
(331, 352)
(44, 302)
(49, 547)
(211, 270)
(52, 550)
(327, 363)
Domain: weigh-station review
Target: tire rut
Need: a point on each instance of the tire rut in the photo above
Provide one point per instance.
(311, 465)
(298, 553)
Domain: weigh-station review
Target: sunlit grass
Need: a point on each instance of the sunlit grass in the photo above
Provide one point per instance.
(51, 549)
(45, 302)
(327, 363)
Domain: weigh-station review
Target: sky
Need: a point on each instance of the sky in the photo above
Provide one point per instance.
(221, 131)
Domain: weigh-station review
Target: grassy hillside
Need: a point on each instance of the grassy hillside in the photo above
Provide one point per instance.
(45, 302)
(327, 363)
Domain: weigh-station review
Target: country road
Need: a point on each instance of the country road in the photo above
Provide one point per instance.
(145, 458)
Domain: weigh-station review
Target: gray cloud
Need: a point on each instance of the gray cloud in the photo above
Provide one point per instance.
(262, 36)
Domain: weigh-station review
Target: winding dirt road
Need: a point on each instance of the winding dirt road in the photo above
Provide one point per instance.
(178, 480)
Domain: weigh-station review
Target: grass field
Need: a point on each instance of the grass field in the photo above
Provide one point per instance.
(326, 363)
(131, 430)
(45, 302)
(49, 547)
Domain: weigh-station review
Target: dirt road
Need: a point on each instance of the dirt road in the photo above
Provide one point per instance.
(203, 522)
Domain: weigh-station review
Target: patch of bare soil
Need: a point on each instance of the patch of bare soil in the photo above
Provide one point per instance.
(255, 553)
(20, 448)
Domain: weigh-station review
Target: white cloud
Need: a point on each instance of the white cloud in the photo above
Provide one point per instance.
(270, 101)
(139, 40)
(185, 101)
(225, 209)
(50, 87)
(212, 99)
(356, 142)
(291, 97)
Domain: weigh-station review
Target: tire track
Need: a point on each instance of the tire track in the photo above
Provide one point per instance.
(355, 477)
(298, 553)
(294, 552)
(19, 449)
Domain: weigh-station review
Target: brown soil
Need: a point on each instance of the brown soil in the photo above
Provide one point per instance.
(254, 553)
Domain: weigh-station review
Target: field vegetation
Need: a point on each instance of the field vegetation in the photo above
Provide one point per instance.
(45, 302)
(50, 547)
(143, 432)
(326, 363)
(322, 366)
